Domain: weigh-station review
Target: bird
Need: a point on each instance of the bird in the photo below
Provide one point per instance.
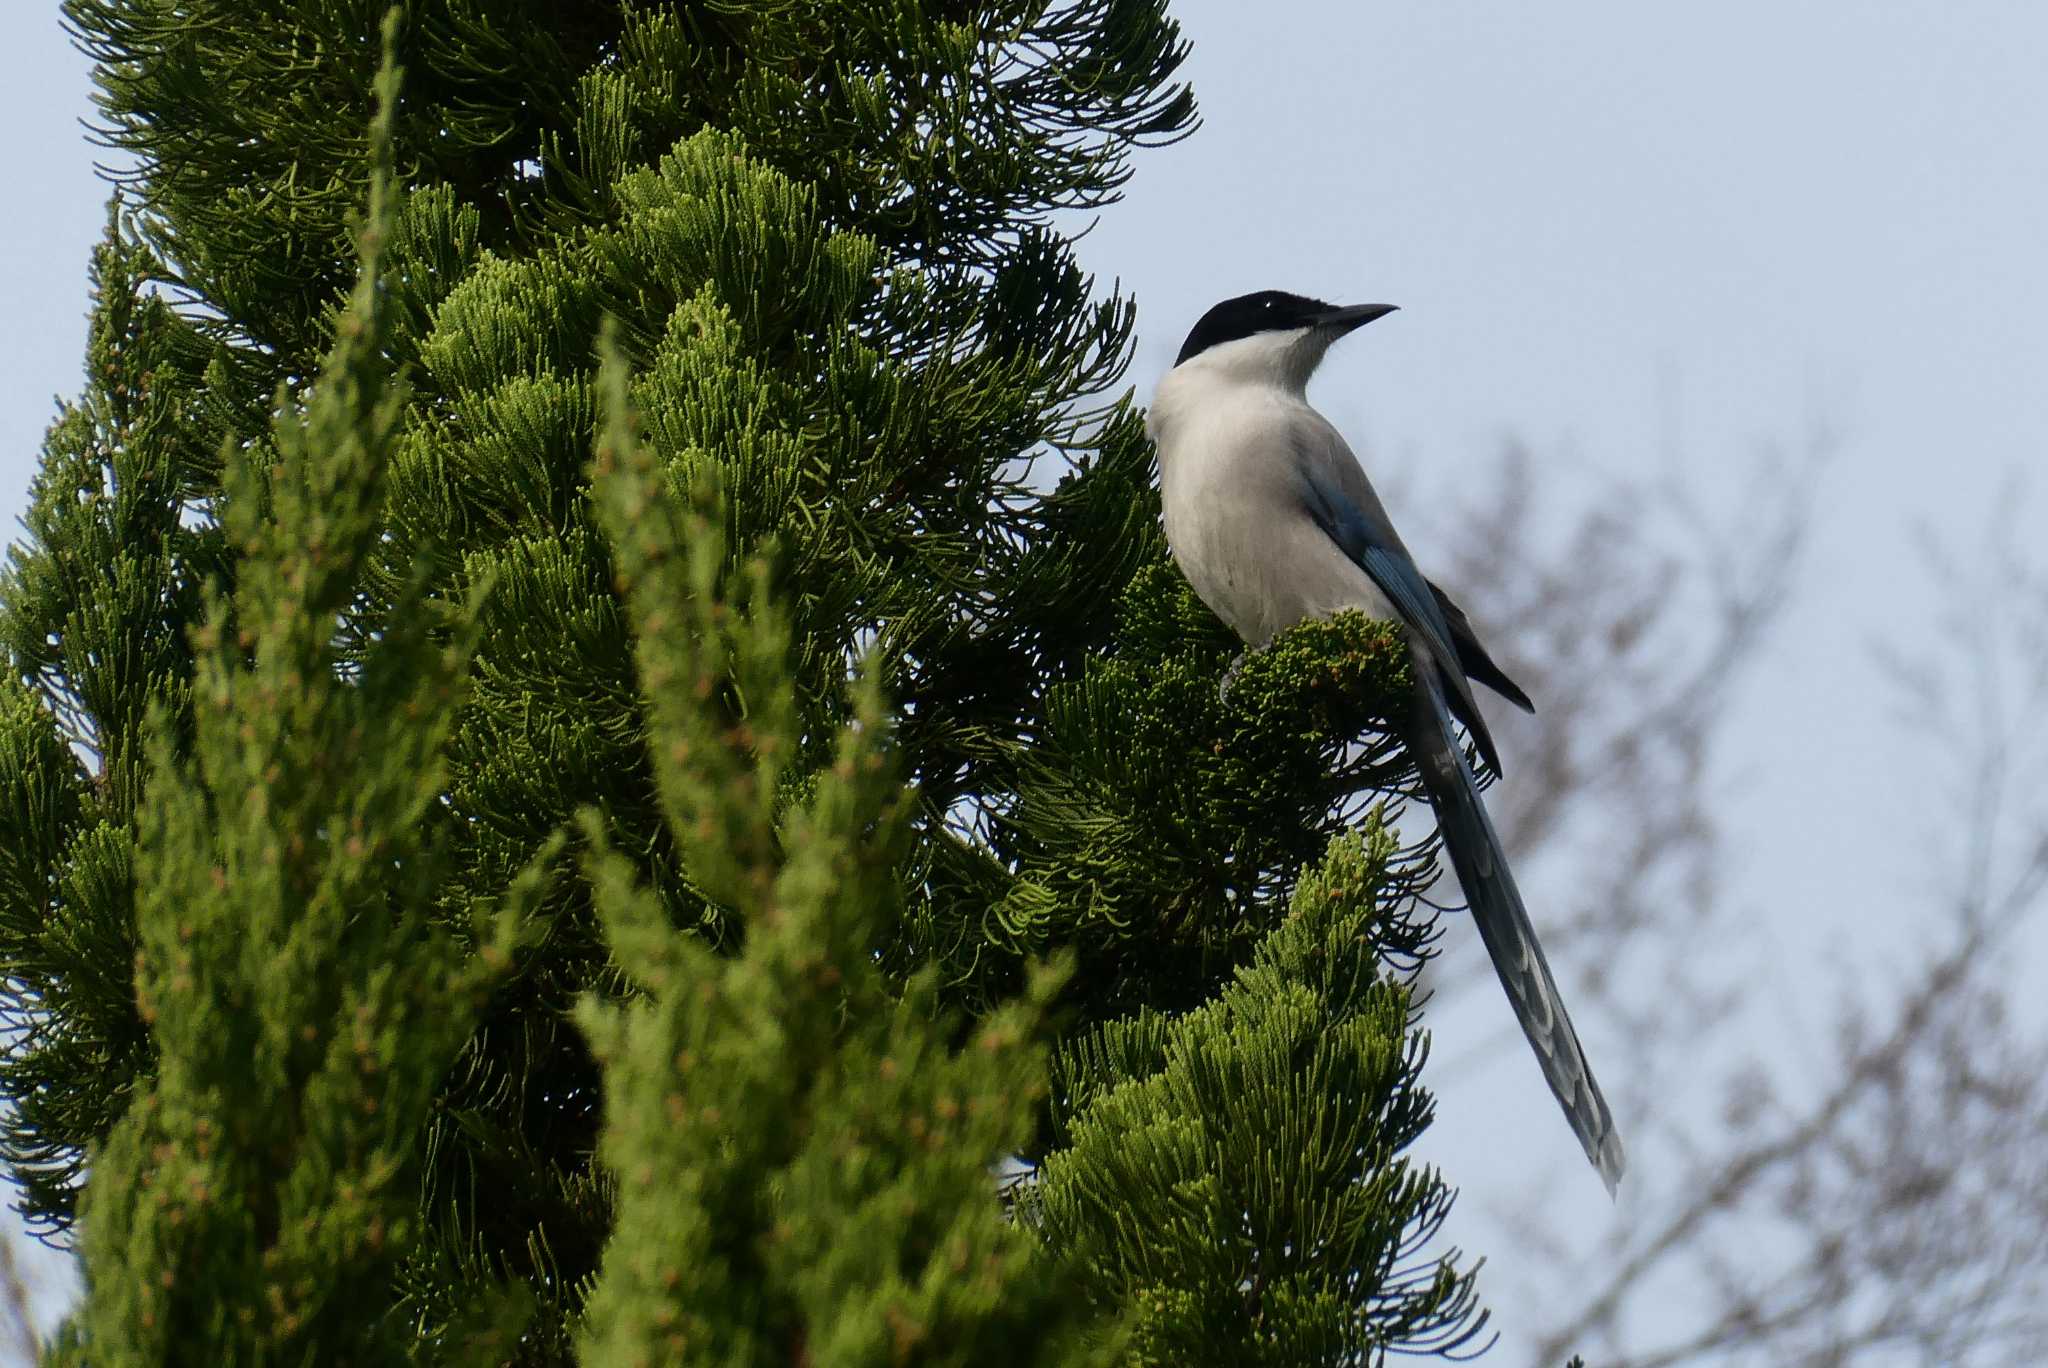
(1272, 520)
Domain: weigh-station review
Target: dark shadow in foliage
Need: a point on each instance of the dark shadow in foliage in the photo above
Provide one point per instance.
(1158, 824)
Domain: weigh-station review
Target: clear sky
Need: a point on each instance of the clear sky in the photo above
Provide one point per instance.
(1616, 229)
(1619, 230)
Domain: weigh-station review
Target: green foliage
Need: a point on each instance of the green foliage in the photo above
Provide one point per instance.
(840, 1211)
(253, 1201)
(1234, 1176)
(785, 1002)
(1159, 823)
(98, 604)
(948, 132)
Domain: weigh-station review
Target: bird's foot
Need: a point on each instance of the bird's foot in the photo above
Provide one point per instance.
(1230, 676)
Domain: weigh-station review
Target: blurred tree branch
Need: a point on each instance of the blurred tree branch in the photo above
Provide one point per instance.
(17, 1296)
(1889, 1201)
(1633, 628)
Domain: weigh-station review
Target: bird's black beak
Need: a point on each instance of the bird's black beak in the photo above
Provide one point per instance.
(1353, 316)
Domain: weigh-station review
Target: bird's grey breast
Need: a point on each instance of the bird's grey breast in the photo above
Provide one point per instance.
(1231, 468)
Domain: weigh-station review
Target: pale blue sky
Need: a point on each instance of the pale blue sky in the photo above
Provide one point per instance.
(1619, 230)
(1607, 224)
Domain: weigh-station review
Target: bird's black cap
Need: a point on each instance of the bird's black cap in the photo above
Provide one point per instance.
(1272, 311)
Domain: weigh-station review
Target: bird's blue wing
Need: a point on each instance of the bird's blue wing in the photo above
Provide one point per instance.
(1472, 657)
(1373, 547)
(1387, 562)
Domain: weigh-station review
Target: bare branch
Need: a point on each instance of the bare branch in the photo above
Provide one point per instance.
(1895, 1206)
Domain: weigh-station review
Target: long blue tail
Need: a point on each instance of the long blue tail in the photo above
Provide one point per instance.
(1503, 923)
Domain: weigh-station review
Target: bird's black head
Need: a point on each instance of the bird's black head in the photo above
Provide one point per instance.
(1273, 311)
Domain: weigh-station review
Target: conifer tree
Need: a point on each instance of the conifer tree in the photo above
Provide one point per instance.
(851, 687)
(850, 1218)
(254, 1199)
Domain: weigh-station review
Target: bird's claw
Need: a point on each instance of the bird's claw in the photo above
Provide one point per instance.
(1230, 676)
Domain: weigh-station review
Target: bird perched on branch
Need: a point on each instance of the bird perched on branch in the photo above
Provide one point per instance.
(1273, 521)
